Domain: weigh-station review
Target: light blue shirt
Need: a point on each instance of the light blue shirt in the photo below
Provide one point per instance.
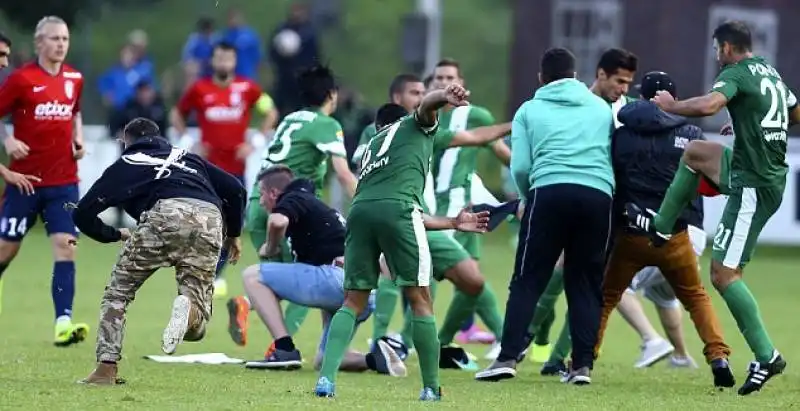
(562, 136)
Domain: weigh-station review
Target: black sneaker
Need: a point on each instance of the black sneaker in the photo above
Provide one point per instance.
(581, 376)
(760, 373)
(723, 376)
(499, 370)
(278, 360)
(553, 369)
(387, 361)
(643, 221)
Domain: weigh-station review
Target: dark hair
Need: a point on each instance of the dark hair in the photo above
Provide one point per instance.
(616, 59)
(205, 24)
(388, 114)
(427, 81)
(141, 127)
(557, 63)
(450, 62)
(277, 176)
(317, 84)
(224, 46)
(5, 39)
(399, 83)
(736, 33)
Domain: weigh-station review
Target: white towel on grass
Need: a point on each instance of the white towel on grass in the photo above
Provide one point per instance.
(216, 358)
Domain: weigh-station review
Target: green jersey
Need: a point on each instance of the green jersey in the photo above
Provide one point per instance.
(396, 162)
(303, 142)
(453, 167)
(758, 104)
(615, 106)
(366, 135)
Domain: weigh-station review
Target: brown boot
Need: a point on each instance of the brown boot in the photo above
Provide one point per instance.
(103, 374)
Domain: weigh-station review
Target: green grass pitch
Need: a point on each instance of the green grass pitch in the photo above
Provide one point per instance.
(36, 375)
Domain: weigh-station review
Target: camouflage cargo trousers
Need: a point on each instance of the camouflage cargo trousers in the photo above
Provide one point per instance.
(182, 233)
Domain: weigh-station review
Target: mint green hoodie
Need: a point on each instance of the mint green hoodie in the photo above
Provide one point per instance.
(562, 136)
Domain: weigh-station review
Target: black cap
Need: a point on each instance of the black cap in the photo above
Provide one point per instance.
(655, 81)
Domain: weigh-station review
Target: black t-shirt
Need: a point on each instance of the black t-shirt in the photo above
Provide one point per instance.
(316, 232)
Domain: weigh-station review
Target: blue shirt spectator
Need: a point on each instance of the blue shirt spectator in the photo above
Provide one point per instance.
(118, 84)
(247, 43)
(200, 45)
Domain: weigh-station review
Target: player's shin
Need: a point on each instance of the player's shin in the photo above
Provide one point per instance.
(385, 302)
(63, 289)
(488, 311)
(340, 333)
(563, 345)
(744, 308)
(294, 316)
(461, 309)
(681, 191)
(547, 302)
(426, 339)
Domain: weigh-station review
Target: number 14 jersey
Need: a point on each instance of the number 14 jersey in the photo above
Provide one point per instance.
(759, 103)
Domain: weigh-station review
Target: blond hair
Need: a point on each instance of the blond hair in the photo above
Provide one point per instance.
(44, 22)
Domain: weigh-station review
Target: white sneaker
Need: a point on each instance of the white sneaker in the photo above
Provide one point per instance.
(682, 362)
(493, 352)
(394, 365)
(177, 326)
(654, 351)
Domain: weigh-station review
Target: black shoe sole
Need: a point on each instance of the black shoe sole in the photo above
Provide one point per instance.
(747, 388)
(723, 377)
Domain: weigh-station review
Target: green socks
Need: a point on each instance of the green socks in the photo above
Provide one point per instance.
(681, 191)
(744, 308)
(340, 332)
(488, 311)
(385, 302)
(294, 315)
(427, 344)
(544, 315)
(563, 344)
(461, 307)
(541, 336)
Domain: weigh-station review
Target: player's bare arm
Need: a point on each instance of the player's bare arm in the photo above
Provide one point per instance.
(453, 94)
(346, 178)
(502, 151)
(481, 135)
(702, 106)
(466, 221)
(77, 136)
(276, 232)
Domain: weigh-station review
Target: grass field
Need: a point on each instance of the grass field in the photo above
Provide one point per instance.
(36, 375)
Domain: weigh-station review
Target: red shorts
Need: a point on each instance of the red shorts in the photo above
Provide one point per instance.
(706, 189)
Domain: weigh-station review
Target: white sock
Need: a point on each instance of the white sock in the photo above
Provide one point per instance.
(63, 318)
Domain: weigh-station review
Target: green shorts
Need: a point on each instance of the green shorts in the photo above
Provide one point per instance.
(257, 225)
(446, 252)
(394, 229)
(471, 242)
(746, 212)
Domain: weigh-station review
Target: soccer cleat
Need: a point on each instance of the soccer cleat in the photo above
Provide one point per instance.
(387, 360)
(103, 374)
(643, 220)
(553, 368)
(760, 373)
(498, 370)
(177, 325)
(723, 377)
(325, 388)
(67, 333)
(429, 394)
(541, 353)
(278, 360)
(238, 313)
(220, 288)
(653, 351)
(581, 376)
(475, 336)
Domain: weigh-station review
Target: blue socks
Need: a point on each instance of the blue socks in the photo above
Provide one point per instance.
(63, 287)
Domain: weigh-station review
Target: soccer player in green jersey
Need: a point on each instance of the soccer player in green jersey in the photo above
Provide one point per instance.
(303, 141)
(752, 175)
(386, 218)
(454, 177)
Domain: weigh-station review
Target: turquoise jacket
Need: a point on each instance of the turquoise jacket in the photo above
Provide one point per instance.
(562, 136)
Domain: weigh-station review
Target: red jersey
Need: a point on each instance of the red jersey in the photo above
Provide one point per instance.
(42, 107)
(223, 115)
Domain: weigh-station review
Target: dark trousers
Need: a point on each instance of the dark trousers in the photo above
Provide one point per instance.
(577, 220)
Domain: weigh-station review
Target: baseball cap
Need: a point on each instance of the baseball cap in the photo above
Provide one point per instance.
(655, 81)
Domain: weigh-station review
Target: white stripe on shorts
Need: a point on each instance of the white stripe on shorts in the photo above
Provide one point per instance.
(424, 252)
(733, 256)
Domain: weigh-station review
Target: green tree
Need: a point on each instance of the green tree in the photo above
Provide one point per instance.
(26, 13)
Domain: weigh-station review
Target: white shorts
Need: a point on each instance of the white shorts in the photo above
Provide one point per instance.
(653, 284)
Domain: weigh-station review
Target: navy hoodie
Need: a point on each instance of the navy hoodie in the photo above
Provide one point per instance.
(150, 170)
(646, 152)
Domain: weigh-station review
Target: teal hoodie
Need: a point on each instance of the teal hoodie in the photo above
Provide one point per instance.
(562, 136)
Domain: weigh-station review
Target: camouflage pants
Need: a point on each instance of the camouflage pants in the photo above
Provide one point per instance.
(181, 233)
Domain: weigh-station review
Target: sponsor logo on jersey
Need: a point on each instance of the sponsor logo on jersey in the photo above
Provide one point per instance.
(775, 136)
(53, 110)
(718, 84)
(224, 114)
(72, 75)
(236, 98)
(373, 166)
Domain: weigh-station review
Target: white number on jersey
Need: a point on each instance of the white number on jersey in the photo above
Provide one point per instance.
(387, 142)
(284, 136)
(777, 116)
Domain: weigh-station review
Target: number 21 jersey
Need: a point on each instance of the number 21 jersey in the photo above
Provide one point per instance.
(758, 103)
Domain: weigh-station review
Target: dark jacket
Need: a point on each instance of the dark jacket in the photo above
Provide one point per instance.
(141, 177)
(646, 152)
(316, 232)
